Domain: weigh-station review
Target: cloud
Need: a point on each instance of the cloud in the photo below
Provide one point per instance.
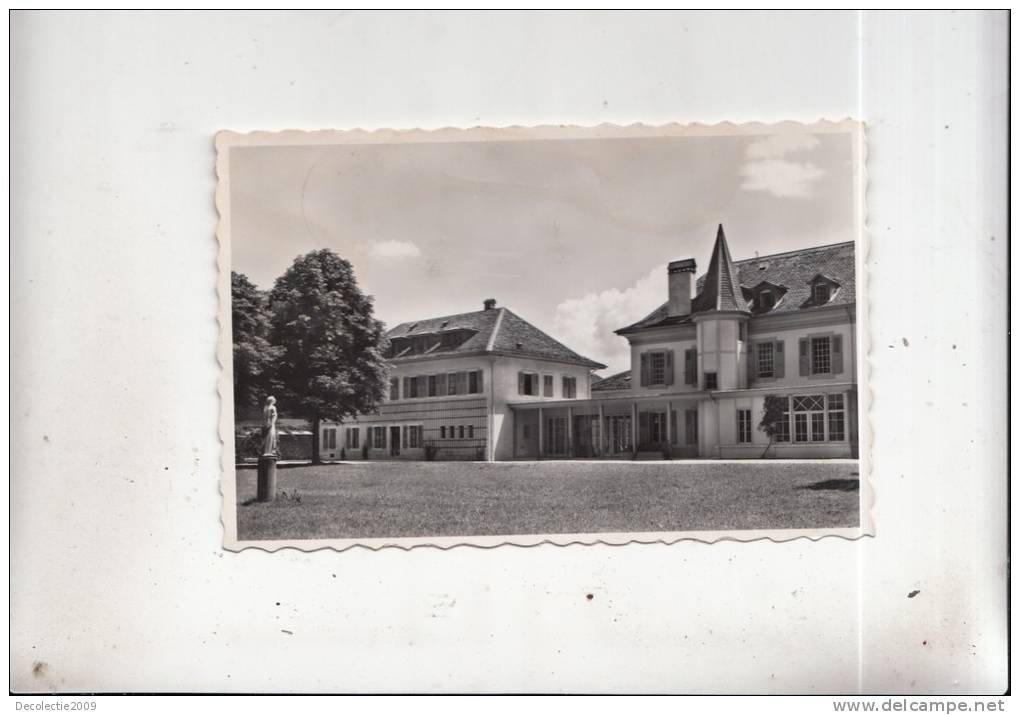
(781, 178)
(586, 324)
(769, 169)
(394, 249)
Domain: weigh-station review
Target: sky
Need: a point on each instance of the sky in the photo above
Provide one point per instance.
(572, 235)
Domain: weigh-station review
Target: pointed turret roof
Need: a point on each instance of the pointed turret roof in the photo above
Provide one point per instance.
(721, 287)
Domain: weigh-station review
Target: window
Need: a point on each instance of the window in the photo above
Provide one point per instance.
(457, 383)
(460, 432)
(691, 366)
(766, 300)
(547, 385)
(809, 410)
(657, 427)
(442, 432)
(837, 420)
(816, 418)
(414, 436)
(744, 426)
(410, 387)
(657, 368)
(570, 387)
(329, 438)
(820, 292)
(453, 432)
(783, 433)
(474, 382)
(353, 437)
(526, 431)
(433, 385)
(711, 381)
(527, 383)
(766, 359)
(378, 437)
(394, 388)
(471, 431)
(800, 427)
(821, 356)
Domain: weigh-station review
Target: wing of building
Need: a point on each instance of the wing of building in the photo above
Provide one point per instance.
(488, 385)
(452, 381)
(703, 363)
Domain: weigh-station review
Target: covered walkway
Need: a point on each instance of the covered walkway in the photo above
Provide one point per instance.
(620, 427)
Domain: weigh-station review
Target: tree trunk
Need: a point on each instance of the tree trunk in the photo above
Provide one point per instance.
(316, 458)
(767, 447)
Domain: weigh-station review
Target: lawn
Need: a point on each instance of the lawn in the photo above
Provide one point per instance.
(423, 499)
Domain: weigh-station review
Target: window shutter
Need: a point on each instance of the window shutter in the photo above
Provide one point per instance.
(837, 354)
(644, 369)
(520, 383)
(691, 366)
(407, 387)
(669, 367)
(405, 430)
(643, 428)
(441, 385)
(778, 359)
(805, 360)
(462, 386)
(481, 386)
(752, 369)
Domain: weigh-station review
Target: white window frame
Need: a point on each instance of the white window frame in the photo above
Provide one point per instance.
(741, 412)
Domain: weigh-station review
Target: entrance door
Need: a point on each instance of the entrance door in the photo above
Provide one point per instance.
(394, 441)
(619, 434)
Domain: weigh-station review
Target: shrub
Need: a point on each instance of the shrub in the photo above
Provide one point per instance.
(430, 452)
(772, 418)
(364, 451)
(343, 454)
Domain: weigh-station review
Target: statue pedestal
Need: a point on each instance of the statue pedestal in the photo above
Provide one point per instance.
(267, 478)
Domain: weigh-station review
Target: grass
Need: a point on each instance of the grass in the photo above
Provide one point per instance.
(423, 499)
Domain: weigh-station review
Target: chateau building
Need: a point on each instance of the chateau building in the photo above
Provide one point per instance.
(488, 385)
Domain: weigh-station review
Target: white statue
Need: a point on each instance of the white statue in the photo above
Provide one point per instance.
(270, 446)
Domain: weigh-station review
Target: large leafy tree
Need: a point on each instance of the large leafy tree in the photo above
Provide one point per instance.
(253, 353)
(331, 365)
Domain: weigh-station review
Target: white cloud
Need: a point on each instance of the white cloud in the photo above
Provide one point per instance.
(769, 169)
(781, 178)
(394, 249)
(586, 324)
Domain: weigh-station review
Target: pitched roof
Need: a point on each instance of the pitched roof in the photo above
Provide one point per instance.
(498, 330)
(619, 381)
(793, 270)
(720, 287)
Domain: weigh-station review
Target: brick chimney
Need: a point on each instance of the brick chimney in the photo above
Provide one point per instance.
(489, 303)
(681, 278)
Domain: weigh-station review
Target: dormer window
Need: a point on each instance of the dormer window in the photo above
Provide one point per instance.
(766, 296)
(823, 289)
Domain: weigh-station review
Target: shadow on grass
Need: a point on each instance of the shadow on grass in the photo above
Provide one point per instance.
(835, 485)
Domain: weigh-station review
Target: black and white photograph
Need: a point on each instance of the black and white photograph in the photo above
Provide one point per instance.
(508, 335)
(480, 352)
